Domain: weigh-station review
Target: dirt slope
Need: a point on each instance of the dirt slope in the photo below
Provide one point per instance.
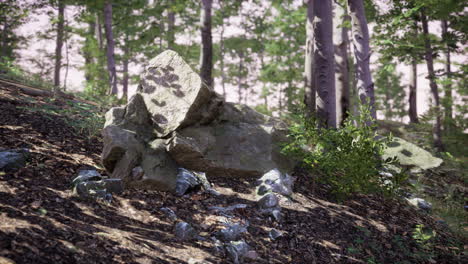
(41, 222)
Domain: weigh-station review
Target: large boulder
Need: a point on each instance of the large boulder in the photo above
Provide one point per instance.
(173, 93)
(174, 121)
(241, 142)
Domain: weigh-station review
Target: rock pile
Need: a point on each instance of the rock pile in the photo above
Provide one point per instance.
(174, 121)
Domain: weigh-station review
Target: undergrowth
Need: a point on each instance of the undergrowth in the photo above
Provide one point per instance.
(347, 159)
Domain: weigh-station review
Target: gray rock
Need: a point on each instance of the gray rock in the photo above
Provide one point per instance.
(117, 143)
(86, 175)
(237, 250)
(13, 159)
(409, 154)
(218, 248)
(277, 182)
(232, 148)
(160, 170)
(274, 234)
(184, 231)
(169, 213)
(93, 188)
(185, 180)
(173, 93)
(269, 200)
(231, 232)
(420, 203)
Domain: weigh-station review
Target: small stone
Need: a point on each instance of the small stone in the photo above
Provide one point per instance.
(86, 175)
(185, 180)
(184, 231)
(268, 201)
(169, 213)
(274, 234)
(231, 232)
(13, 159)
(237, 251)
(420, 203)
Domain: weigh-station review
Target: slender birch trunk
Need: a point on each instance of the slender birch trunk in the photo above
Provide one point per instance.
(59, 44)
(448, 73)
(341, 42)
(413, 112)
(110, 47)
(362, 53)
(436, 128)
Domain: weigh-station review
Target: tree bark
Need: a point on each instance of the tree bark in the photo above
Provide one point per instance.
(221, 60)
(436, 128)
(206, 55)
(88, 57)
(4, 48)
(448, 73)
(413, 112)
(309, 87)
(125, 63)
(59, 44)
(360, 36)
(170, 26)
(323, 74)
(110, 46)
(239, 77)
(341, 42)
(99, 31)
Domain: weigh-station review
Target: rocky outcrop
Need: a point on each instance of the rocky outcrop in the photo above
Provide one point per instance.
(174, 121)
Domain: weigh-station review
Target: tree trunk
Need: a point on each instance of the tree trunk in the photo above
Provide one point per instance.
(323, 75)
(170, 26)
(4, 48)
(221, 60)
(436, 129)
(239, 77)
(448, 73)
(206, 56)
(341, 42)
(59, 44)
(99, 31)
(309, 86)
(110, 46)
(413, 112)
(360, 36)
(88, 57)
(125, 62)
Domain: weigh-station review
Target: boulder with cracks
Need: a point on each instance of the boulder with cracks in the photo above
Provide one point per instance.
(174, 121)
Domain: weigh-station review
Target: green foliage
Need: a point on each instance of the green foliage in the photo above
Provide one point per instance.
(390, 94)
(11, 71)
(423, 236)
(348, 159)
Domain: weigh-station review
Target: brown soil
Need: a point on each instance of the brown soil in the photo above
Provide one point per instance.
(42, 222)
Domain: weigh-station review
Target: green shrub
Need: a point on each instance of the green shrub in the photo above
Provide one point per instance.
(348, 159)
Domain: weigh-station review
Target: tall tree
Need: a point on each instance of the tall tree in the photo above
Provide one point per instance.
(59, 43)
(341, 42)
(170, 25)
(110, 46)
(206, 52)
(448, 71)
(323, 74)
(310, 89)
(436, 129)
(413, 110)
(360, 37)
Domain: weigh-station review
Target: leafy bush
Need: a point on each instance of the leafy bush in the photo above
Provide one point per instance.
(348, 159)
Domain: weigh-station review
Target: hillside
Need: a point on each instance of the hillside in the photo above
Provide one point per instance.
(42, 221)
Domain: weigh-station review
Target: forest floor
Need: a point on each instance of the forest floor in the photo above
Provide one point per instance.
(41, 221)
